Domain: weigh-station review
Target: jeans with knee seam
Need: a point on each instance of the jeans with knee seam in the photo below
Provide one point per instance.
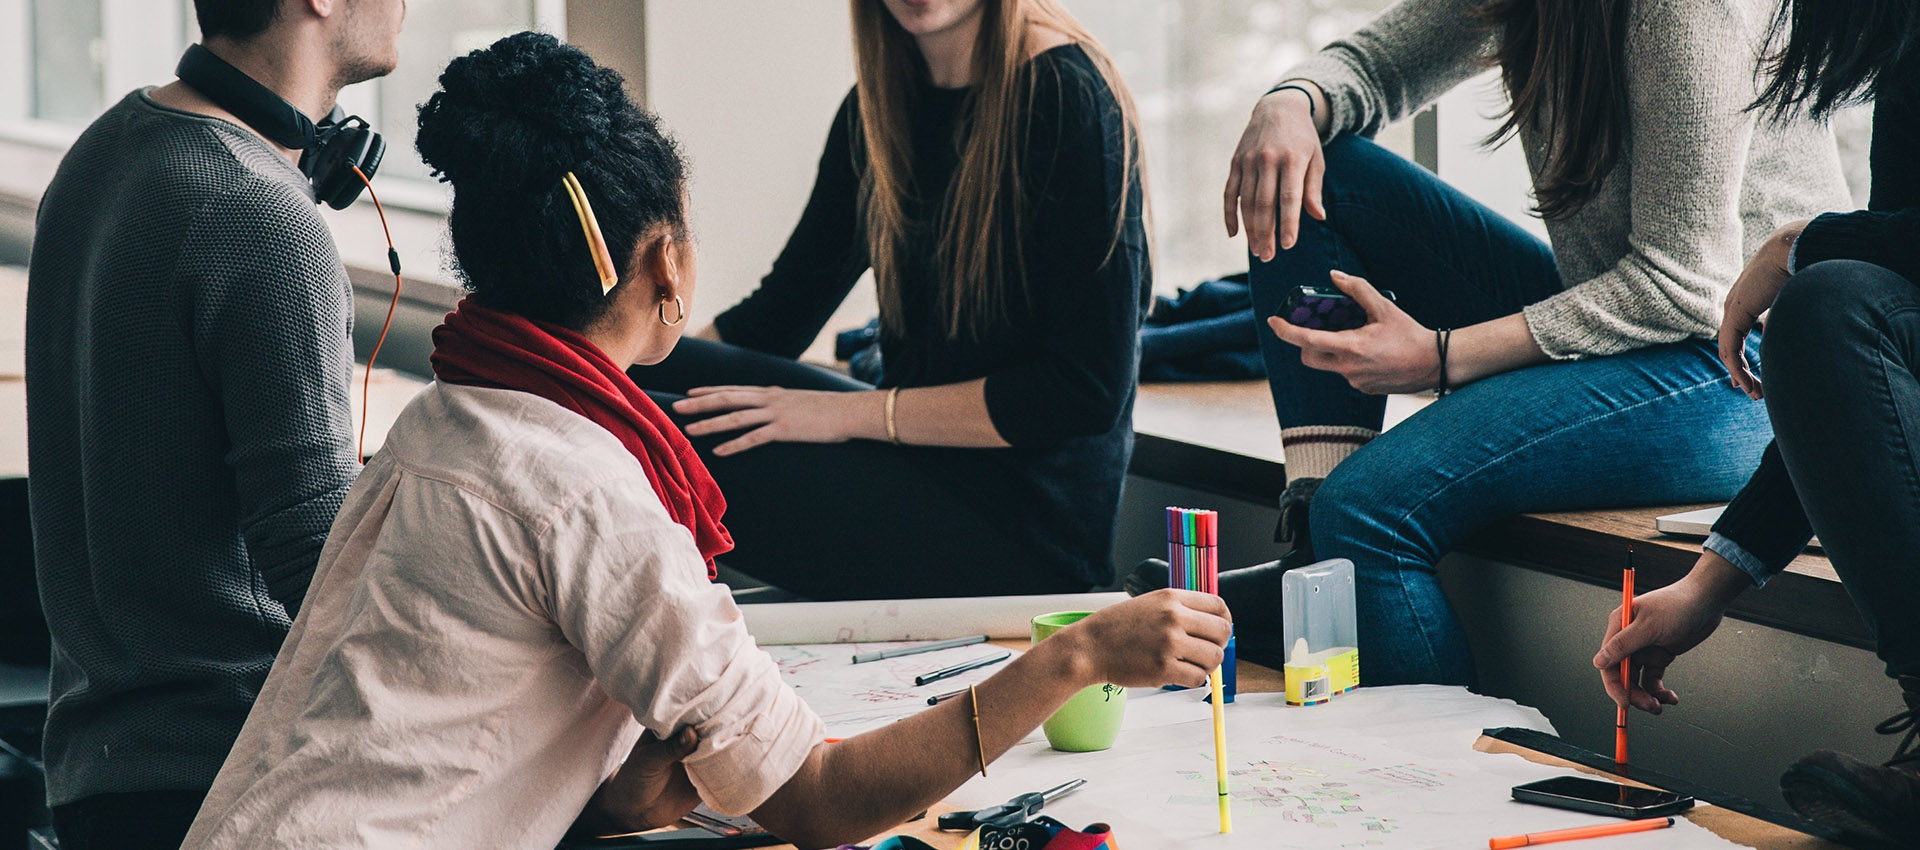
(1843, 340)
(1656, 425)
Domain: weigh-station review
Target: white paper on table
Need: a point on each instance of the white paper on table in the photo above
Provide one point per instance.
(853, 698)
(910, 619)
(1391, 768)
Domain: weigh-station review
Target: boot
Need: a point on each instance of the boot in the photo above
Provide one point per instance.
(1293, 528)
(1881, 802)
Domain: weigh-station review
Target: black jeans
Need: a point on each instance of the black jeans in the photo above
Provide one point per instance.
(146, 820)
(1841, 347)
(854, 520)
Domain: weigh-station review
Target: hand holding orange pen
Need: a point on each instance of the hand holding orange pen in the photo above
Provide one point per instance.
(1626, 664)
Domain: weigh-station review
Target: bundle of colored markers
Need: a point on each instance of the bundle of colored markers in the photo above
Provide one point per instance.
(1193, 552)
(1193, 549)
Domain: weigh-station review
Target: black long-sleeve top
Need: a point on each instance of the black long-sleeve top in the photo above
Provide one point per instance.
(1765, 527)
(1060, 370)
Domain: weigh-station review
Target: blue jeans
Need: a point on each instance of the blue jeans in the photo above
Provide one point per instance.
(1657, 425)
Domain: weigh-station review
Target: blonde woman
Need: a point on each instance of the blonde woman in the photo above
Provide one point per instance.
(986, 169)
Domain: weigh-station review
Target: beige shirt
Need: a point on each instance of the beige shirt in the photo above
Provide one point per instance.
(1700, 184)
(502, 605)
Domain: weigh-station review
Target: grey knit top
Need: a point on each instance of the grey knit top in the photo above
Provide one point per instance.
(1700, 184)
(188, 358)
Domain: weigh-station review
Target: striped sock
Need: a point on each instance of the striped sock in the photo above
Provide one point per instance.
(1313, 451)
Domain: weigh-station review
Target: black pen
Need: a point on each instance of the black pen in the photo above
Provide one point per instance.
(946, 696)
(883, 654)
(962, 667)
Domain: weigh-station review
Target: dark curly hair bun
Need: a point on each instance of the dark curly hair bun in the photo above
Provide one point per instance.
(520, 112)
(507, 122)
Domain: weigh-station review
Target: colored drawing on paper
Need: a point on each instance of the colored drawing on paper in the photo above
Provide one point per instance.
(1314, 793)
(853, 698)
(1291, 792)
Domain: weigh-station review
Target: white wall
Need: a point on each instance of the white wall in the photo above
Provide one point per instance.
(1497, 177)
(748, 87)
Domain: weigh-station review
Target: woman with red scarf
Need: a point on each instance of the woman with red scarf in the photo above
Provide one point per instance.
(513, 627)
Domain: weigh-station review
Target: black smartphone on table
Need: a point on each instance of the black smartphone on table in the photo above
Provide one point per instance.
(1594, 796)
(702, 829)
(1323, 308)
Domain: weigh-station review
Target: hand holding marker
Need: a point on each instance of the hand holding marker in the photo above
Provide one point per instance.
(1194, 553)
(1626, 664)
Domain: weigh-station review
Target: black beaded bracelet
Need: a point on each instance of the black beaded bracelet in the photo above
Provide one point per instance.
(1311, 112)
(1443, 337)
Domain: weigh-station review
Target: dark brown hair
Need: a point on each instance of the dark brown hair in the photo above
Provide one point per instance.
(1827, 54)
(235, 19)
(1562, 64)
(507, 122)
(980, 243)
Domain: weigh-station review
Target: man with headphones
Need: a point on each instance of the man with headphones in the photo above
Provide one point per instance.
(188, 358)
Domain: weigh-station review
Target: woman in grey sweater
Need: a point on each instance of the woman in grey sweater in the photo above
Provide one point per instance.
(1573, 376)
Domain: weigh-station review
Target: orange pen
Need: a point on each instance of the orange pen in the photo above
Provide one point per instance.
(1600, 831)
(1626, 664)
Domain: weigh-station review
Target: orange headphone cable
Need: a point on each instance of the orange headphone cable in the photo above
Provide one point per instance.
(393, 260)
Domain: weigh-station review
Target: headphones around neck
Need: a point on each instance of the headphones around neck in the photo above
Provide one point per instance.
(339, 155)
(330, 150)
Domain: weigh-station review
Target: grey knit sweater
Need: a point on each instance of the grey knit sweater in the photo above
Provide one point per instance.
(1700, 185)
(188, 358)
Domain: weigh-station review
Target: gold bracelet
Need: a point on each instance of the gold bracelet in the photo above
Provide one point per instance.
(893, 434)
(979, 741)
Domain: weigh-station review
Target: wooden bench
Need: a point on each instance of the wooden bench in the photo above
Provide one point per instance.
(1222, 438)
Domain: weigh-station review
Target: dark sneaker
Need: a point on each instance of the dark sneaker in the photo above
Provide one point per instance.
(1293, 528)
(1881, 802)
(1146, 577)
(1153, 574)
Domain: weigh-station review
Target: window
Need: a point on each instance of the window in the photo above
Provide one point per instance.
(1195, 67)
(65, 61)
(436, 31)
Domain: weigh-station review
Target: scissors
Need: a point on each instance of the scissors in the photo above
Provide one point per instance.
(1008, 813)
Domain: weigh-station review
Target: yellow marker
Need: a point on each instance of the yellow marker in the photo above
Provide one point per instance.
(1220, 748)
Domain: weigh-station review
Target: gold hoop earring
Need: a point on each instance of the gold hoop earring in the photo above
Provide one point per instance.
(679, 306)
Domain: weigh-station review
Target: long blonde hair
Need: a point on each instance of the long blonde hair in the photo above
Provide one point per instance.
(980, 228)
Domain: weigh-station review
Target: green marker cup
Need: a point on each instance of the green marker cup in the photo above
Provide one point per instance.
(1090, 721)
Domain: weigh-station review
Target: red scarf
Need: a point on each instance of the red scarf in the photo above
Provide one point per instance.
(482, 347)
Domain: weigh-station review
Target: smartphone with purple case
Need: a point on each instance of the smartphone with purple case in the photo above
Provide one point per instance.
(1324, 308)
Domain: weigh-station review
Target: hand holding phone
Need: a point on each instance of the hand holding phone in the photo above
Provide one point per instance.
(1324, 308)
(1358, 332)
